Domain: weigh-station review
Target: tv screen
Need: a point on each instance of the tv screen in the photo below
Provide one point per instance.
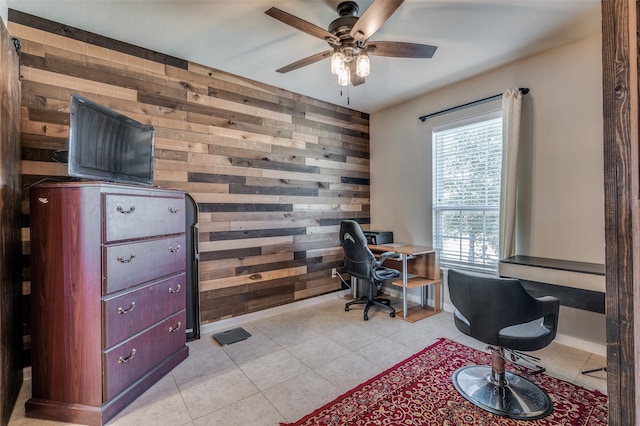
(106, 145)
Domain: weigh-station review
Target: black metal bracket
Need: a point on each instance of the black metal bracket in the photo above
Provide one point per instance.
(17, 46)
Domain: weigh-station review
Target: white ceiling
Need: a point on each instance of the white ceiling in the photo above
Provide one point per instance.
(236, 36)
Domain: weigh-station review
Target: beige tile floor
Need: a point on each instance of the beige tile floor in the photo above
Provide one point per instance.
(296, 361)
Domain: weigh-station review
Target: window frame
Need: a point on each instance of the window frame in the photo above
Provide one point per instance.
(489, 112)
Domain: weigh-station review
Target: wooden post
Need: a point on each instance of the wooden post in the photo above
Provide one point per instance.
(620, 107)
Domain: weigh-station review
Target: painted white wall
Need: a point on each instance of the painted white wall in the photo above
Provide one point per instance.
(561, 191)
(561, 208)
(4, 12)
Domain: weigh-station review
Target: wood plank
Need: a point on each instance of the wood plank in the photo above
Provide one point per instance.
(253, 278)
(82, 67)
(93, 39)
(239, 82)
(245, 261)
(77, 84)
(235, 244)
(232, 106)
(360, 127)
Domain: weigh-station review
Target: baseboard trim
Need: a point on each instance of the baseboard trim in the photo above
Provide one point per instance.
(584, 345)
(574, 342)
(255, 316)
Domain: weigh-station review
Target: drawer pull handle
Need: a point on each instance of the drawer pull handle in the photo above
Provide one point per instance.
(123, 211)
(122, 360)
(121, 310)
(174, 250)
(171, 329)
(174, 211)
(172, 291)
(123, 260)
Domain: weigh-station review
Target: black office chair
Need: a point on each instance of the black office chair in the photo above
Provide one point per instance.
(502, 314)
(360, 262)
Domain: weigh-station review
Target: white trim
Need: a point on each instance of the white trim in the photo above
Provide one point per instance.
(212, 327)
(254, 316)
(584, 345)
(493, 112)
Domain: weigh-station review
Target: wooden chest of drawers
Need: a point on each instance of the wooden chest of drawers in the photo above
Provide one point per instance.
(107, 296)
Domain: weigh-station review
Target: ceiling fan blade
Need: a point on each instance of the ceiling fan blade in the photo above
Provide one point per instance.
(301, 24)
(306, 61)
(373, 18)
(399, 49)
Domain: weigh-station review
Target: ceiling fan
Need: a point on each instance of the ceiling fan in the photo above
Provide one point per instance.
(348, 36)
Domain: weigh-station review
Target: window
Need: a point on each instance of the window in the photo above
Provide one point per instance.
(467, 158)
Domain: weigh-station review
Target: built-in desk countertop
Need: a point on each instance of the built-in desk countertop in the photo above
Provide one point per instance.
(578, 285)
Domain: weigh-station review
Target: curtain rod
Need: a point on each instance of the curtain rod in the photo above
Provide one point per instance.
(523, 90)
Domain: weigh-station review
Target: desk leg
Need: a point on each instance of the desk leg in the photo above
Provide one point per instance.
(354, 287)
(404, 285)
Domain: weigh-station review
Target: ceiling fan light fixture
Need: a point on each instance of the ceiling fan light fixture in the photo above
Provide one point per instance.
(344, 77)
(348, 37)
(337, 62)
(363, 65)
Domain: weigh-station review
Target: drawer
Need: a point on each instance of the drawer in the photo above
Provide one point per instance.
(132, 312)
(127, 362)
(128, 217)
(127, 265)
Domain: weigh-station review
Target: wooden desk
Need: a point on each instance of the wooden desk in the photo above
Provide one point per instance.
(419, 268)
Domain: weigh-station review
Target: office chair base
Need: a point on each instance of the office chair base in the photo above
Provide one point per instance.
(518, 399)
(384, 303)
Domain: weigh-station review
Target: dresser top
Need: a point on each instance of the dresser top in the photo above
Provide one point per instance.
(108, 187)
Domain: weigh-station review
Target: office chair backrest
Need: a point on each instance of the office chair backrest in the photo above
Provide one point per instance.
(491, 303)
(358, 259)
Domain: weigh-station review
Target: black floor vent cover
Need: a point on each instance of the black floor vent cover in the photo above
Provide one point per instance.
(231, 336)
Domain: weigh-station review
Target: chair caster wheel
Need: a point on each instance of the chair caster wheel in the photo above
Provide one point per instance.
(392, 314)
(346, 309)
(366, 318)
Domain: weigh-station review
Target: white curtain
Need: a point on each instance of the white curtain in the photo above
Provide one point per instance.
(511, 111)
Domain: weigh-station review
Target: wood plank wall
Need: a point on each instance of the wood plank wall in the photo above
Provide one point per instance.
(273, 172)
(10, 193)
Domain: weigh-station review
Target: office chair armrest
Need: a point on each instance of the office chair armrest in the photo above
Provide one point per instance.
(549, 307)
(384, 256)
(548, 304)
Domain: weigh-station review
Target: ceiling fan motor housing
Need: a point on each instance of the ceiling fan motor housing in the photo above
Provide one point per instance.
(341, 28)
(348, 8)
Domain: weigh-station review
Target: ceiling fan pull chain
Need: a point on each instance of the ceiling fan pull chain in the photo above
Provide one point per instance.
(342, 94)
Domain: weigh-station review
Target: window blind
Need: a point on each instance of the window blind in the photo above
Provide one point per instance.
(467, 158)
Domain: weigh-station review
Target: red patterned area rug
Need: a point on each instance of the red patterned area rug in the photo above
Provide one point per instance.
(418, 391)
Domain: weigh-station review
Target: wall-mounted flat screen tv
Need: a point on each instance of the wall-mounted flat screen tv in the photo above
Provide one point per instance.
(106, 145)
